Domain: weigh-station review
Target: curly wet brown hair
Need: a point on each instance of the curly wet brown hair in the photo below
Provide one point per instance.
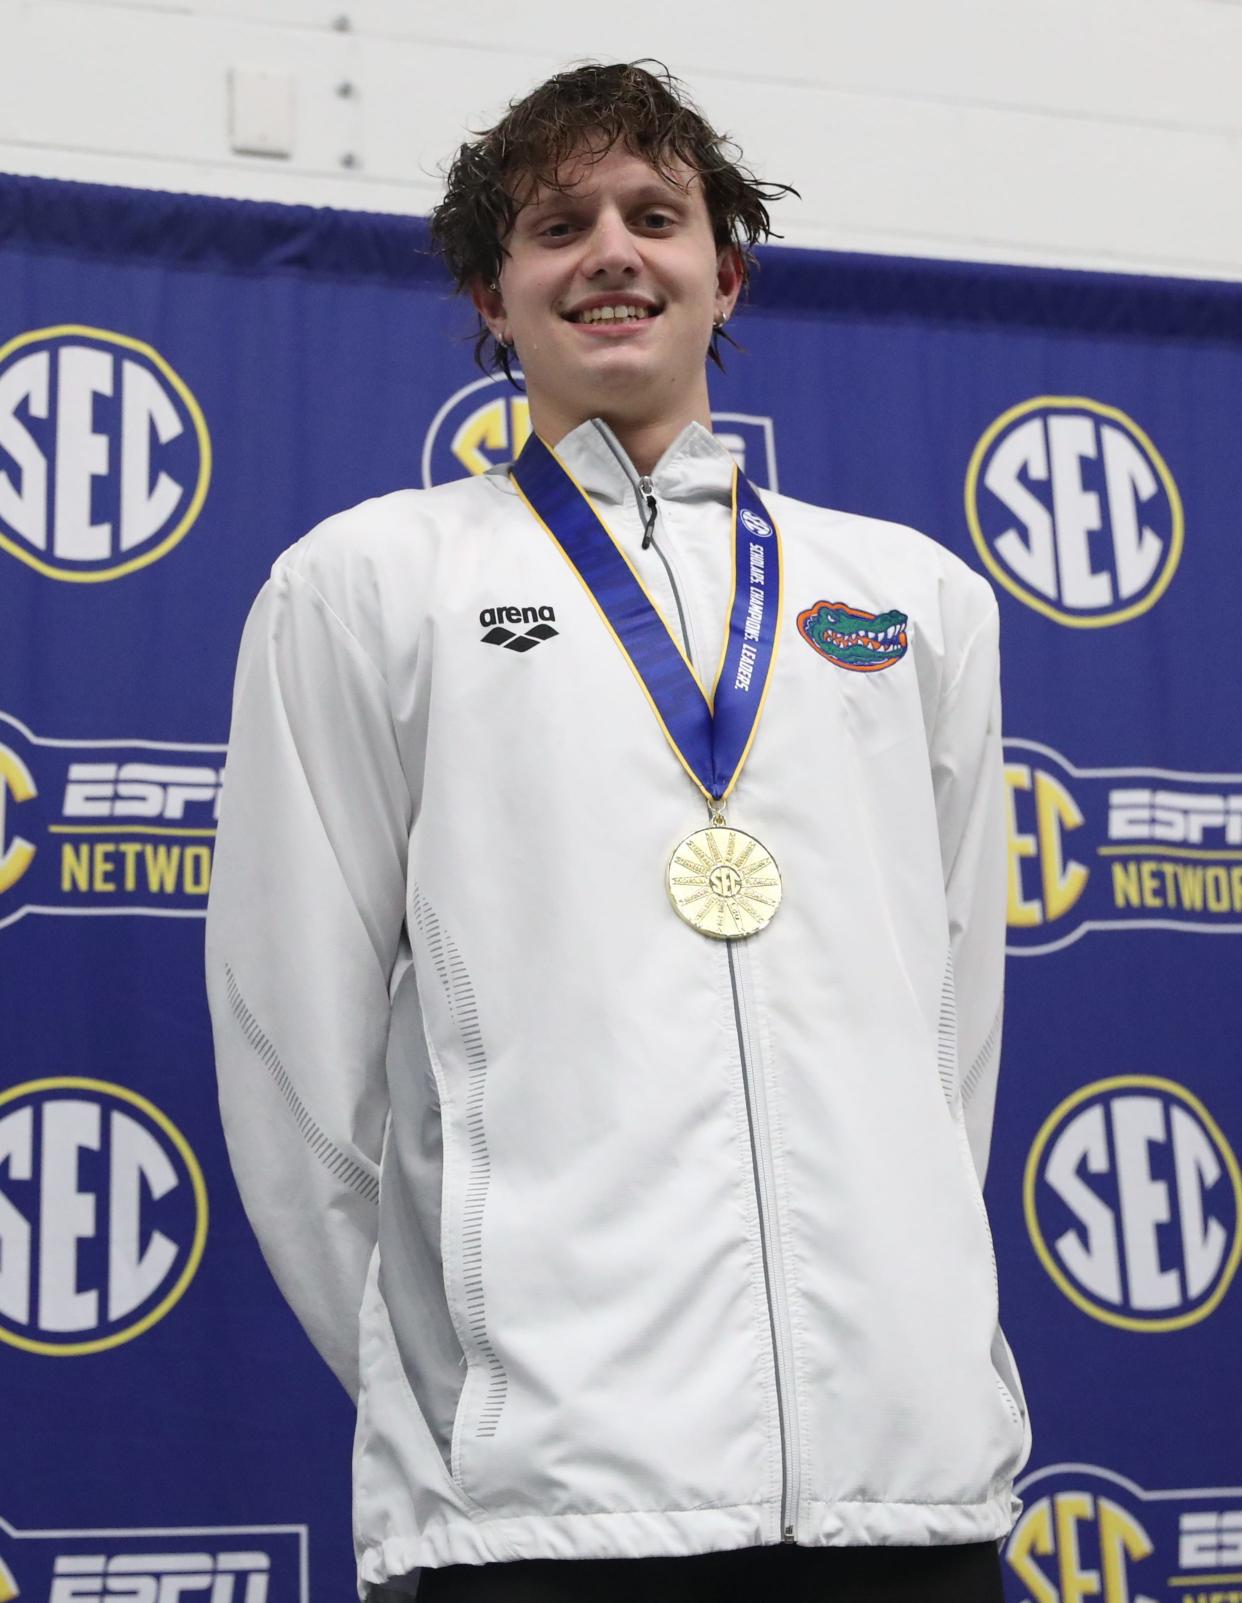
(586, 111)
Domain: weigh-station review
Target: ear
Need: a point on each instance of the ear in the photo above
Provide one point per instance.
(489, 303)
(728, 280)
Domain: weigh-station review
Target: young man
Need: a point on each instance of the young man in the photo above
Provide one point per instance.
(608, 1032)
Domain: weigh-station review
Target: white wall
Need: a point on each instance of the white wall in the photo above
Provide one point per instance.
(1091, 133)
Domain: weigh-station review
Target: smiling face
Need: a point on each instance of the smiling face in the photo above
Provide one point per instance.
(609, 293)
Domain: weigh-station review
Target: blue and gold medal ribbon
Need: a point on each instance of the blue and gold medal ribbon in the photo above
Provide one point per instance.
(711, 734)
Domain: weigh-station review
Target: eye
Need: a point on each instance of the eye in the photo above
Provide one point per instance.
(555, 230)
(657, 221)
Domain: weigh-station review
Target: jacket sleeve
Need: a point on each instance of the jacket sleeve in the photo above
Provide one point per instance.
(304, 922)
(968, 774)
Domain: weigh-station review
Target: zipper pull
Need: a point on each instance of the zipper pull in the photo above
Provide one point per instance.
(648, 490)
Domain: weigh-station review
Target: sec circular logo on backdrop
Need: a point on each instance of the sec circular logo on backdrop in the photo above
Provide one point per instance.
(103, 1215)
(1133, 1200)
(482, 425)
(105, 457)
(1074, 511)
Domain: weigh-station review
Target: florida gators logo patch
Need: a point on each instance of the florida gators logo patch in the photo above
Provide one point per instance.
(863, 642)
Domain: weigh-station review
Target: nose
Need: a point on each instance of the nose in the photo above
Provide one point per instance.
(611, 249)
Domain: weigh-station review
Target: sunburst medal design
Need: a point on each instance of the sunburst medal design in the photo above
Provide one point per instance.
(723, 882)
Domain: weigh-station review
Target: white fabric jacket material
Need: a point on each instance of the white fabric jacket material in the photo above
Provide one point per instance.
(627, 1241)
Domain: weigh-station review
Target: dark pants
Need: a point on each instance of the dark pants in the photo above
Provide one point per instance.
(969, 1573)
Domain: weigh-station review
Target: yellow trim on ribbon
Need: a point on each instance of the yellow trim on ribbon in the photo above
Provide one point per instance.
(776, 646)
(724, 644)
(608, 625)
(680, 650)
(709, 700)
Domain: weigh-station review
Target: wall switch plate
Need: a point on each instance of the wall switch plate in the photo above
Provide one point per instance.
(260, 112)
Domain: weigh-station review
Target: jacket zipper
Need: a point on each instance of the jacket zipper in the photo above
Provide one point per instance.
(760, 1145)
(649, 512)
(773, 1259)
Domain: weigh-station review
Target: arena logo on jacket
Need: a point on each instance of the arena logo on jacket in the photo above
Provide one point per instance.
(1074, 511)
(105, 457)
(161, 1564)
(1088, 1532)
(1118, 848)
(1133, 1200)
(485, 424)
(103, 1215)
(105, 826)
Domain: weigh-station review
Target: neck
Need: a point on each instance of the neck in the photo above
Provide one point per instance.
(644, 439)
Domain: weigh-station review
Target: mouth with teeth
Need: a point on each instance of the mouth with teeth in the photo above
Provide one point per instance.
(854, 639)
(612, 318)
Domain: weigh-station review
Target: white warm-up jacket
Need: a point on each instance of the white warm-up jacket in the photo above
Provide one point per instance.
(627, 1241)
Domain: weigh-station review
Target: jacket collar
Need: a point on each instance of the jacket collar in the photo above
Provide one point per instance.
(695, 467)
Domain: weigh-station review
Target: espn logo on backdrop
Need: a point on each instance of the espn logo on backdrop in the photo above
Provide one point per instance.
(109, 826)
(97, 1577)
(1118, 848)
(105, 458)
(214, 1563)
(1088, 1532)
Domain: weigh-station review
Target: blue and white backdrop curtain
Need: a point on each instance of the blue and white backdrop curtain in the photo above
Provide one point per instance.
(186, 386)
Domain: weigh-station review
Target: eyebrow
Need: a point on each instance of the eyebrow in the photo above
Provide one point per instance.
(650, 193)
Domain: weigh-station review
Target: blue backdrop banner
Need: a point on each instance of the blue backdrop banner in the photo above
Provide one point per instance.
(188, 385)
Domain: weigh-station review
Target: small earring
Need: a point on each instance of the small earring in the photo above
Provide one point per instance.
(720, 321)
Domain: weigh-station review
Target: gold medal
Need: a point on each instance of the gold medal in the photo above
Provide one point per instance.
(723, 882)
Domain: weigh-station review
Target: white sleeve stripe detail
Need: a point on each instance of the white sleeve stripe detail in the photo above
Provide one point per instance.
(984, 1058)
(946, 1033)
(338, 1164)
(459, 994)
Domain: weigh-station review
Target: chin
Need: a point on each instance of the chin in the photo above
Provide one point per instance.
(630, 369)
(590, 385)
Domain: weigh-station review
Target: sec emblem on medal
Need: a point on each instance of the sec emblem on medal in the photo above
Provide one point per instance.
(723, 882)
